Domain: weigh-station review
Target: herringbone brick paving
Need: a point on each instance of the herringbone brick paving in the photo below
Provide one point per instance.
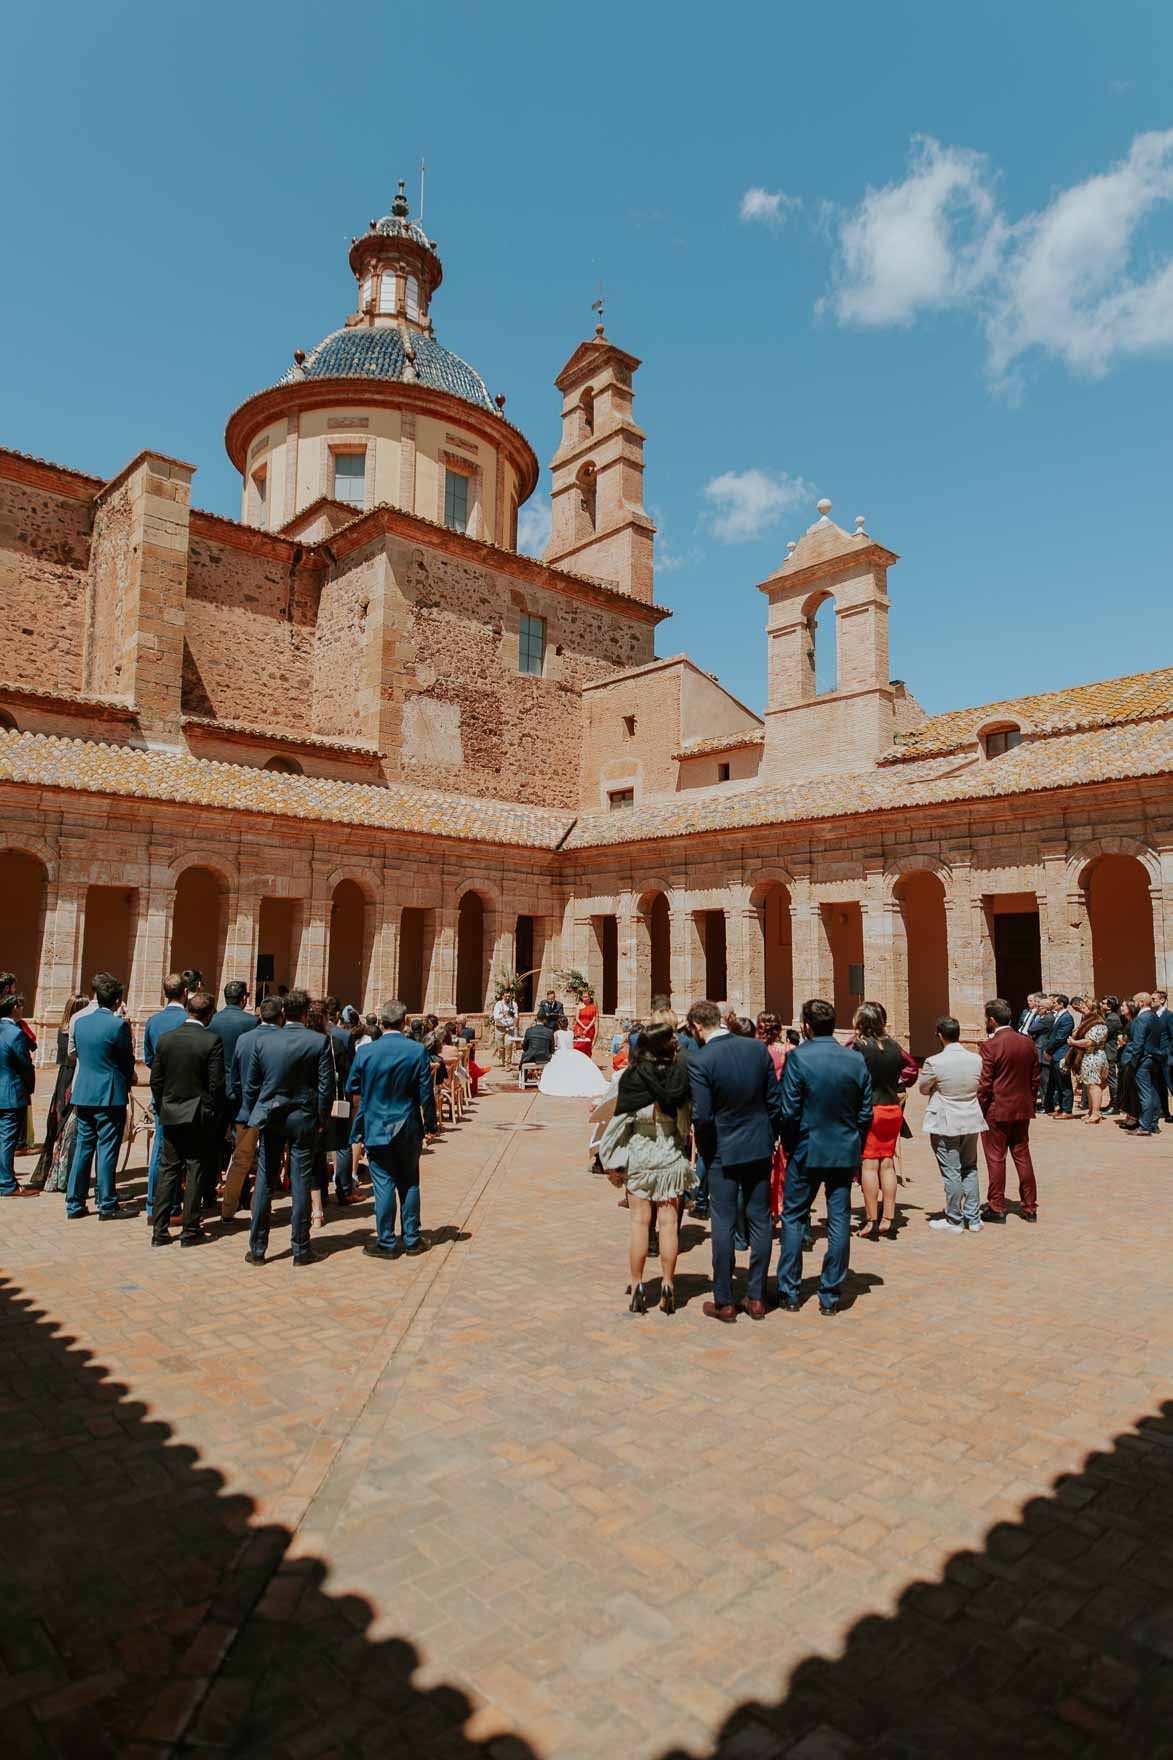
(466, 1505)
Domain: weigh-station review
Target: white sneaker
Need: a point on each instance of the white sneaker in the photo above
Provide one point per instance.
(975, 1227)
(943, 1222)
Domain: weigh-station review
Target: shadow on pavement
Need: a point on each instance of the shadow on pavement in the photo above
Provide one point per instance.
(143, 1614)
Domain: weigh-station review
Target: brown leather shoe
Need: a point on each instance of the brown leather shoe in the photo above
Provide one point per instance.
(712, 1312)
(755, 1310)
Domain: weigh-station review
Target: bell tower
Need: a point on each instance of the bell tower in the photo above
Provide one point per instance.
(598, 524)
(845, 728)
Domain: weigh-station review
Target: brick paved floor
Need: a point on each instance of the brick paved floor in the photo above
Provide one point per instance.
(466, 1506)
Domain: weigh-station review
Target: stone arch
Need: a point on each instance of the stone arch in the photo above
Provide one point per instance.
(916, 862)
(20, 843)
(26, 899)
(820, 658)
(351, 936)
(917, 895)
(771, 977)
(1117, 880)
(653, 951)
(199, 919)
(475, 912)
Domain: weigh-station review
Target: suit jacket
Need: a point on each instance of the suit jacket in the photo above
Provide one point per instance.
(187, 1078)
(538, 1044)
(1144, 1038)
(341, 1055)
(1040, 1031)
(105, 1059)
(393, 1078)
(549, 1009)
(286, 1069)
(736, 1100)
(1165, 1039)
(950, 1079)
(234, 1078)
(826, 1104)
(230, 1024)
(1009, 1084)
(18, 1078)
(1026, 1019)
(165, 1021)
(1063, 1025)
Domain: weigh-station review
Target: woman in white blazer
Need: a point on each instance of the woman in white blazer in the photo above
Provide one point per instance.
(954, 1122)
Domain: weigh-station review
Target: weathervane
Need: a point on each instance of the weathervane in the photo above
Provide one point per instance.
(423, 168)
(597, 306)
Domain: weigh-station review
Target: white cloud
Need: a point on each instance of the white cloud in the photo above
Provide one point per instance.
(533, 526)
(1061, 282)
(769, 206)
(927, 242)
(746, 503)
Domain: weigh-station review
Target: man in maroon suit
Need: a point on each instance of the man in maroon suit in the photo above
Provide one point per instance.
(1007, 1093)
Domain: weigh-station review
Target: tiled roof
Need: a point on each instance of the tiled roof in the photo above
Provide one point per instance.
(1069, 760)
(1111, 701)
(726, 742)
(392, 226)
(46, 761)
(359, 353)
(247, 730)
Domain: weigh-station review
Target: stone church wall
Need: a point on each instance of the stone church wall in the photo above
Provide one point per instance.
(250, 623)
(44, 565)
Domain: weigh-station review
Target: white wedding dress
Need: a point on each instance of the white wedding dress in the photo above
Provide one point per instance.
(570, 1074)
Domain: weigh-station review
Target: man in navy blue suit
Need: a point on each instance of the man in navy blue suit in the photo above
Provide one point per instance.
(392, 1076)
(243, 1159)
(826, 1114)
(288, 1086)
(172, 1014)
(736, 1118)
(1056, 1049)
(1142, 1049)
(18, 1078)
(101, 1090)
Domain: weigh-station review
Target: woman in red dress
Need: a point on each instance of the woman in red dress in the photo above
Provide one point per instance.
(586, 1025)
(892, 1071)
(768, 1029)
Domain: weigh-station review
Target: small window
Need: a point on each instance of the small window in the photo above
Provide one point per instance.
(412, 291)
(350, 469)
(722, 772)
(285, 767)
(531, 655)
(261, 497)
(364, 294)
(1003, 739)
(629, 726)
(7, 724)
(621, 797)
(456, 501)
(387, 291)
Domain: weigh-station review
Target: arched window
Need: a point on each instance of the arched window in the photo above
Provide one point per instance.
(285, 767)
(412, 302)
(364, 294)
(587, 484)
(822, 659)
(588, 412)
(387, 302)
(1002, 739)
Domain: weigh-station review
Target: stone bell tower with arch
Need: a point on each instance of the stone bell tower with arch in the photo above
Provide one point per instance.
(598, 525)
(834, 732)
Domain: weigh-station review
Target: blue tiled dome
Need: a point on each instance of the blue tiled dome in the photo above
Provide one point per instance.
(392, 226)
(360, 353)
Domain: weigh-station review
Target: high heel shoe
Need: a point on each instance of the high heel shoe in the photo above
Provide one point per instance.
(667, 1298)
(868, 1230)
(639, 1302)
(886, 1229)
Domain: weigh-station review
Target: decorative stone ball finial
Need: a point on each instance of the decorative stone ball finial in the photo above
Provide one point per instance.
(823, 507)
(599, 331)
(499, 400)
(299, 356)
(791, 547)
(399, 206)
(859, 525)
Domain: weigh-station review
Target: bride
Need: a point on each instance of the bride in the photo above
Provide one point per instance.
(570, 1074)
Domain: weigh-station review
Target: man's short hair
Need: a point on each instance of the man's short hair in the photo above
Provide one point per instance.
(1061, 999)
(8, 1002)
(235, 992)
(193, 978)
(1163, 994)
(660, 1001)
(1142, 999)
(202, 1004)
(296, 1004)
(271, 1010)
(999, 1010)
(948, 1028)
(174, 987)
(706, 1015)
(819, 1016)
(332, 1007)
(551, 992)
(107, 990)
(393, 1014)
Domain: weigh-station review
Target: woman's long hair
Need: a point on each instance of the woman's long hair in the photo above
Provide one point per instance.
(870, 1021)
(656, 1045)
(75, 1003)
(768, 1027)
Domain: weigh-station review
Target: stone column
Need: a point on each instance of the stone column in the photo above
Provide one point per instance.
(501, 941)
(383, 972)
(806, 943)
(441, 981)
(240, 945)
(627, 975)
(745, 959)
(970, 950)
(1161, 894)
(885, 962)
(151, 950)
(1064, 930)
(313, 948)
(59, 974)
(688, 957)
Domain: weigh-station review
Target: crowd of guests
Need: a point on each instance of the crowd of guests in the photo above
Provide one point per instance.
(1115, 1055)
(299, 1095)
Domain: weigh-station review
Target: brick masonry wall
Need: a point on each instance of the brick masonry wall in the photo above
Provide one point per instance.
(44, 569)
(249, 638)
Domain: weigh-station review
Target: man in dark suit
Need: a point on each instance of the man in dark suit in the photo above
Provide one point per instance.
(392, 1076)
(164, 1020)
(1038, 1031)
(1030, 1012)
(187, 1086)
(230, 1024)
(1142, 1048)
(288, 1087)
(1161, 1055)
(342, 1057)
(736, 1119)
(101, 1090)
(1165, 1044)
(1007, 1091)
(1060, 1092)
(244, 1153)
(538, 1044)
(549, 1008)
(826, 1116)
(18, 1078)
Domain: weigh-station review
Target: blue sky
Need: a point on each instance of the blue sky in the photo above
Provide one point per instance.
(914, 257)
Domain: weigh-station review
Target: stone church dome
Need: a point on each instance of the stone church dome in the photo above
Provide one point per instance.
(359, 353)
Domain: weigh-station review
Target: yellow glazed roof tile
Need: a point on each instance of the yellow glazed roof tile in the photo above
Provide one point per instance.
(1140, 696)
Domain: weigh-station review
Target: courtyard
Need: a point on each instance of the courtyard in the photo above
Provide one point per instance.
(466, 1505)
